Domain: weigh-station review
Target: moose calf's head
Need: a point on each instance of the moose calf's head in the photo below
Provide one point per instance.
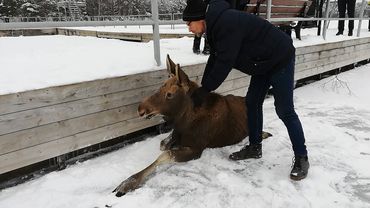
(173, 96)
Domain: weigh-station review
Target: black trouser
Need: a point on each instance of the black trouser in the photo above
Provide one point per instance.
(342, 6)
(282, 83)
(197, 40)
(368, 14)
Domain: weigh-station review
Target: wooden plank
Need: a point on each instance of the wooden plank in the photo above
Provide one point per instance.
(120, 36)
(291, 10)
(329, 46)
(55, 148)
(335, 63)
(141, 37)
(306, 59)
(54, 95)
(279, 15)
(26, 119)
(334, 58)
(58, 129)
(60, 94)
(67, 31)
(232, 84)
(239, 92)
(281, 2)
(54, 131)
(13, 122)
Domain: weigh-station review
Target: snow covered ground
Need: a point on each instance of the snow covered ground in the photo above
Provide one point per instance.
(334, 112)
(336, 118)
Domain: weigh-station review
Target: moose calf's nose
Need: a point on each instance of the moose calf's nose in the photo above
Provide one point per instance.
(141, 111)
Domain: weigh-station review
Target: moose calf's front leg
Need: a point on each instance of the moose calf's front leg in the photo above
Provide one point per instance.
(182, 154)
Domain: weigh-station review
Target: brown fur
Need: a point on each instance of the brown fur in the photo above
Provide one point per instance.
(218, 122)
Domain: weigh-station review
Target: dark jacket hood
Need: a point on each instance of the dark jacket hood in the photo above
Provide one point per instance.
(214, 11)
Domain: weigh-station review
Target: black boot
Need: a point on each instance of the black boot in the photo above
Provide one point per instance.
(300, 168)
(249, 151)
(196, 44)
(339, 33)
(350, 33)
(206, 49)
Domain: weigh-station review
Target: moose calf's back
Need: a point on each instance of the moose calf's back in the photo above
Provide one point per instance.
(223, 121)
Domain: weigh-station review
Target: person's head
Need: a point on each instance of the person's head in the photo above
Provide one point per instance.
(194, 15)
(197, 27)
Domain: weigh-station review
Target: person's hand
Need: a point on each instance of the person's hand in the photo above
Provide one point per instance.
(198, 96)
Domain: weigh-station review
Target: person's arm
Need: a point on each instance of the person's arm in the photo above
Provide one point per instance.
(228, 40)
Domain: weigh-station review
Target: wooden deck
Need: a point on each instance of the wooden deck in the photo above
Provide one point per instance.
(42, 124)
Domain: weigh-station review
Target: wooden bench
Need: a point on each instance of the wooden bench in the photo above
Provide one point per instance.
(281, 9)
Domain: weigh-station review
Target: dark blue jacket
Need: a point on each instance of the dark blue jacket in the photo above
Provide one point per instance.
(242, 41)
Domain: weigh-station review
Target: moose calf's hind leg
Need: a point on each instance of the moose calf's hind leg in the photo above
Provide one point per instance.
(265, 135)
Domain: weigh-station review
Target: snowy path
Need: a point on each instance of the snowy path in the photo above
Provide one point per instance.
(337, 126)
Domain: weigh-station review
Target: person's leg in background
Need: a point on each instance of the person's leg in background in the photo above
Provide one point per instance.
(351, 14)
(368, 14)
(206, 48)
(196, 44)
(342, 14)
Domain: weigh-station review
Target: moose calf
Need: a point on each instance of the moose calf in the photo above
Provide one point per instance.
(218, 122)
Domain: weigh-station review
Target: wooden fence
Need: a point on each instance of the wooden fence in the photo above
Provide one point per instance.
(140, 37)
(41, 124)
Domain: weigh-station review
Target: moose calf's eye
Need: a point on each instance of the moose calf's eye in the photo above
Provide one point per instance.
(169, 95)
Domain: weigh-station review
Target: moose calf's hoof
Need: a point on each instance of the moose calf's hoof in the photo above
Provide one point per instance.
(126, 186)
(165, 144)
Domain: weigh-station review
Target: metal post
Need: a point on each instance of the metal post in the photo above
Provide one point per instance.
(326, 21)
(172, 18)
(268, 12)
(363, 5)
(157, 51)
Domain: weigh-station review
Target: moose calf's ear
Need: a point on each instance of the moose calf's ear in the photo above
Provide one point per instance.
(170, 65)
(182, 78)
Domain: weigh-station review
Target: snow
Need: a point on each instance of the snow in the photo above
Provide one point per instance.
(336, 120)
(70, 59)
(334, 112)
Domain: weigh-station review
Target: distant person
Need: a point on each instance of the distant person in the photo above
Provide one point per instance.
(196, 44)
(342, 6)
(197, 40)
(368, 13)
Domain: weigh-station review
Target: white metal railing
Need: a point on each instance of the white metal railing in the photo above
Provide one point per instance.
(155, 19)
(171, 16)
